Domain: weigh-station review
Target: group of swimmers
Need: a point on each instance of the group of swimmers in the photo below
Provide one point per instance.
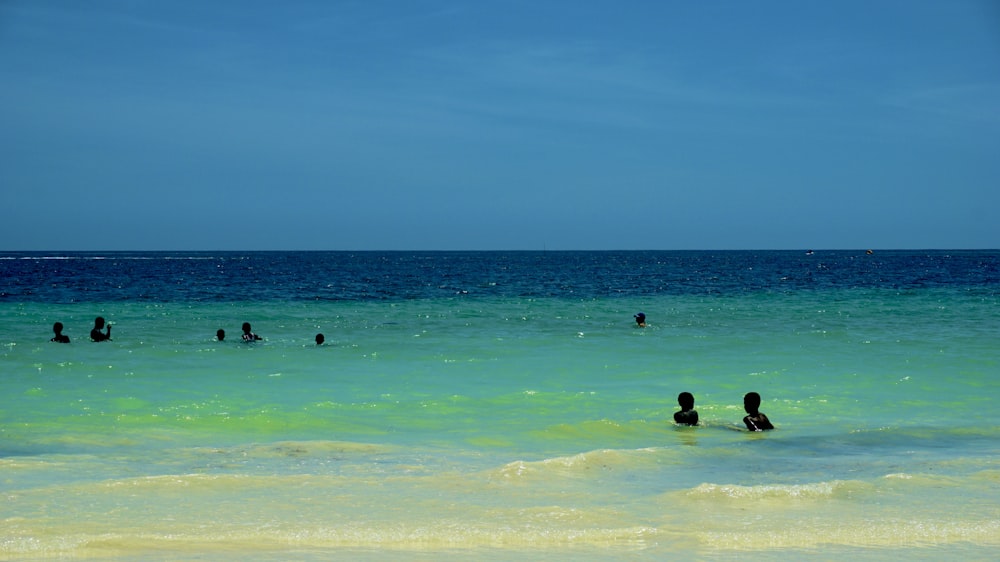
(755, 420)
(249, 336)
(102, 332)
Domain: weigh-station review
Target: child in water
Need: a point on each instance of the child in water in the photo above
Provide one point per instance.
(96, 334)
(248, 335)
(687, 415)
(755, 420)
(57, 328)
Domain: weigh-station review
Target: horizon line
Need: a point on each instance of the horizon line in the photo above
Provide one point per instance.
(802, 249)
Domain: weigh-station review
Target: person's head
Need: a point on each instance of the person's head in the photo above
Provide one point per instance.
(220, 334)
(320, 339)
(57, 327)
(99, 322)
(686, 400)
(640, 318)
(751, 402)
(246, 327)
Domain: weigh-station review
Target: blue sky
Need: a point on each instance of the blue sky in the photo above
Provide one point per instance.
(461, 125)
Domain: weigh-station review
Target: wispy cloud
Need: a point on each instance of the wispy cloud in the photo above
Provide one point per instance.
(971, 103)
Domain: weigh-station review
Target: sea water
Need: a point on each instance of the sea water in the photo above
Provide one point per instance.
(500, 405)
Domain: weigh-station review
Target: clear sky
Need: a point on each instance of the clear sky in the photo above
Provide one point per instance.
(480, 124)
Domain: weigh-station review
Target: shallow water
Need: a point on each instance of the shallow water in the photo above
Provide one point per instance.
(470, 409)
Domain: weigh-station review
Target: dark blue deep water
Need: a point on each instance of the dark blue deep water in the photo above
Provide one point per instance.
(363, 276)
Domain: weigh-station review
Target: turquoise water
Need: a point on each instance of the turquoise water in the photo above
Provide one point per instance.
(504, 426)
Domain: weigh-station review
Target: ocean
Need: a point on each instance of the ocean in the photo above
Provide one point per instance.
(500, 405)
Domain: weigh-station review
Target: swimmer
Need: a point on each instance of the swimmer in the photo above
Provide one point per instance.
(640, 320)
(96, 334)
(220, 334)
(248, 335)
(755, 420)
(688, 415)
(59, 337)
(320, 339)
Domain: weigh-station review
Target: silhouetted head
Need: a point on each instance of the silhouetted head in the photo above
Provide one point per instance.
(751, 402)
(99, 322)
(246, 327)
(686, 400)
(640, 319)
(320, 339)
(220, 334)
(57, 327)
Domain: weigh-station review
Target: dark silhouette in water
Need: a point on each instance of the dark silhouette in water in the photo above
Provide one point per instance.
(96, 334)
(755, 420)
(688, 415)
(320, 339)
(59, 337)
(640, 320)
(248, 335)
(220, 334)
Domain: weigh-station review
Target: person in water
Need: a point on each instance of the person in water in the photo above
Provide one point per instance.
(755, 419)
(96, 334)
(59, 337)
(640, 320)
(249, 335)
(688, 415)
(220, 334)
(320, 339)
